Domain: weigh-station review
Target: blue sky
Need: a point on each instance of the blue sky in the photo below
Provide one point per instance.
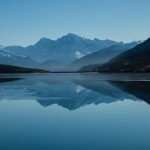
(24, 22)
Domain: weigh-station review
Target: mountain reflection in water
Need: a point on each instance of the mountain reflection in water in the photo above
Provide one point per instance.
(73, 91)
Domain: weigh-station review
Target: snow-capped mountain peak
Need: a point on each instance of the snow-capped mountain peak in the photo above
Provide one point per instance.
(67, 48)
(78, 54)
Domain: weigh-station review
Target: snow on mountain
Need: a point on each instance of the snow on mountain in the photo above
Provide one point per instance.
(78, 54)
(102, 56)
(5, 54)
(67, 48)
(56, 54)
(16, 60)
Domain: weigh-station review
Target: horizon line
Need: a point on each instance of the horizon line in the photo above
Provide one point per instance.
(69, 33)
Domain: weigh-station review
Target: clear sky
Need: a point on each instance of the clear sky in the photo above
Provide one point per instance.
(24, 22)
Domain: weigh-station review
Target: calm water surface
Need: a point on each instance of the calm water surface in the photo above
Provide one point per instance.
(75, 112)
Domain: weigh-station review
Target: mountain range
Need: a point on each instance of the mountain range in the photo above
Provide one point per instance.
(70, 52)
(67, 48)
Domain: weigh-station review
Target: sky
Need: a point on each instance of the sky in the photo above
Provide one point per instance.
(24, 22)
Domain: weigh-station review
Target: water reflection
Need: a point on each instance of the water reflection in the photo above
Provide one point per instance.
(140, 89)
(116, 115)
(75, 91)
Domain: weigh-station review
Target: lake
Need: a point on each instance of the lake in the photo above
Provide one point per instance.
(75, 112)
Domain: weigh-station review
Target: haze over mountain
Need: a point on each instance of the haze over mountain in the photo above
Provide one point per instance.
(102, 56)
(67, 48)
(134, 60)
(1, 47)
(58, 55)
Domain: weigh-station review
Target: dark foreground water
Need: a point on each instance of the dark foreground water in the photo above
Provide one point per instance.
(75, 112)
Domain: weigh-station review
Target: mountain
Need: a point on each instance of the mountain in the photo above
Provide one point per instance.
(102, 56)
(134, 60)
(17, 60)
(15, 69)
(53, 65)
(67, 48)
